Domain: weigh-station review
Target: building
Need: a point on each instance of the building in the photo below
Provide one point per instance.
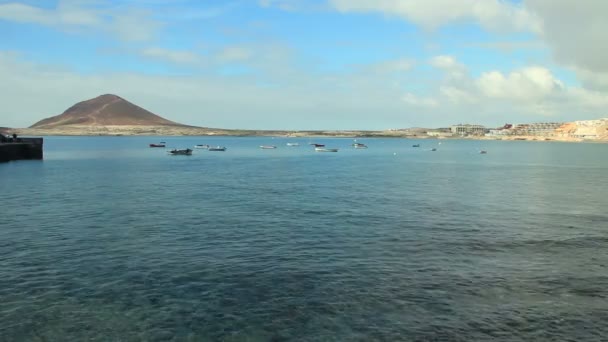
(544, 129)
(466, 129)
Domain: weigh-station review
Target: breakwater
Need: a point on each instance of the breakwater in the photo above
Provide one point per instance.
(21, 148)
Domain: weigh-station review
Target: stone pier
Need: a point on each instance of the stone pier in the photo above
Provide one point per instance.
(21, 148)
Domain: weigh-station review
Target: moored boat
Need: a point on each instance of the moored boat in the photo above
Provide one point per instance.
(268, 147)
(483, 152)
(359, 146)
(201, 146)
(217, 149)
(293, 144)
(433, 149)
(318, 145)
(183, 152)
(416, 145)
(160, 144)
(322, 149)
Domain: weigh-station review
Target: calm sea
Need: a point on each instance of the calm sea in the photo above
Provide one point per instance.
(110, 240)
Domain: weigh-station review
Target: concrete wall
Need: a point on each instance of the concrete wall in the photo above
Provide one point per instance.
(24, 148)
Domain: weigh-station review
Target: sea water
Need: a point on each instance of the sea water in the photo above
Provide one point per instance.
(110, 240)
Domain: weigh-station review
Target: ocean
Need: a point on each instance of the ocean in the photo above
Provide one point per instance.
(110, 240)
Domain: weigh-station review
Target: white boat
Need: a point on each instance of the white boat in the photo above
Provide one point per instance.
(323, 149)
(201, 146)
(217, 148)
(359, 146)
(293, 144)
(268, 147)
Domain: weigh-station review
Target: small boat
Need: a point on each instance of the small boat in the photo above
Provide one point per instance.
(483, 152)
(161, 144)
(322, 149)
(416, 145)
(318, 145)
(217, 149)
(359, 146)
(201, 146)
(433, 149)
(268, 147)
(177, 152)
(293, 144)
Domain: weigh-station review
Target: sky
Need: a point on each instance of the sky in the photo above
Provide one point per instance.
(309, 64)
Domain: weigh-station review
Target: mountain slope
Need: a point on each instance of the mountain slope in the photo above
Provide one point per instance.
(104, 110)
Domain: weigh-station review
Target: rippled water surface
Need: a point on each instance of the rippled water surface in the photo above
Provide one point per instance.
(109, 240)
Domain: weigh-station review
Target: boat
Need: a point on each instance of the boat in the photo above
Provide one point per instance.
(201, 146)
(182, 152)
(483, 152)
(160, 144)
(318, 145)
(293, 144)
(359, 146)
(416, 145)
(433, 149)
(268, 147)
(322, 149)
(217, 149)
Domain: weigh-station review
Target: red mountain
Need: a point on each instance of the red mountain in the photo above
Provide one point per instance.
(105, 110)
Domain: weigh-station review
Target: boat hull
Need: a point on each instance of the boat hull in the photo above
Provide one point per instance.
(319, 149)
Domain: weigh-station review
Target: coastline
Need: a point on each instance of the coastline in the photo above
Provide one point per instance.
(203, 131)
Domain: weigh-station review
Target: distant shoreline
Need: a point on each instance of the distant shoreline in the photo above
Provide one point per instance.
(166, 131)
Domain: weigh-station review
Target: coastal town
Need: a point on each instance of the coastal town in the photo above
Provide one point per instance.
(582, 130)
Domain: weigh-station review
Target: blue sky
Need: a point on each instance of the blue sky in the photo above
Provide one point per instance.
(290, 64)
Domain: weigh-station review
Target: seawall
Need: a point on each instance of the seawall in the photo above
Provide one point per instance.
(22, 148)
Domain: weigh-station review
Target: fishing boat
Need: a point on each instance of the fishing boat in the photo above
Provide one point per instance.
(322, 149)
(160, 144)
(217, 149)
(268, 147)
(318, 145)
(201, 146)
(293, 144)
(416, 145)
(183, 152)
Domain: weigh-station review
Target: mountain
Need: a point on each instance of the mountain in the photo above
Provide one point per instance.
(104, 110)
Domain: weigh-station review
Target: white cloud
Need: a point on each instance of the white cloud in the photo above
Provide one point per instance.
(419, 101)
(431, 14)
(530, 92)
(173, 56)
(575, 32)
(527, 84)
(234, 54)
(76, 16)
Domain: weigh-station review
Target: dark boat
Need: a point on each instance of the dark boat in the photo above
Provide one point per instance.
(433, 149)
(176, 152)
(483, 152)
(416, 145)
(318, 145)
(161, 144)
(359, 146)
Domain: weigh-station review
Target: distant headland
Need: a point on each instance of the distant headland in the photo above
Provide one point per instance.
(112, 115)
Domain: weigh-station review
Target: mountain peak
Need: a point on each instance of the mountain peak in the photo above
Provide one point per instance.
(105, 110)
